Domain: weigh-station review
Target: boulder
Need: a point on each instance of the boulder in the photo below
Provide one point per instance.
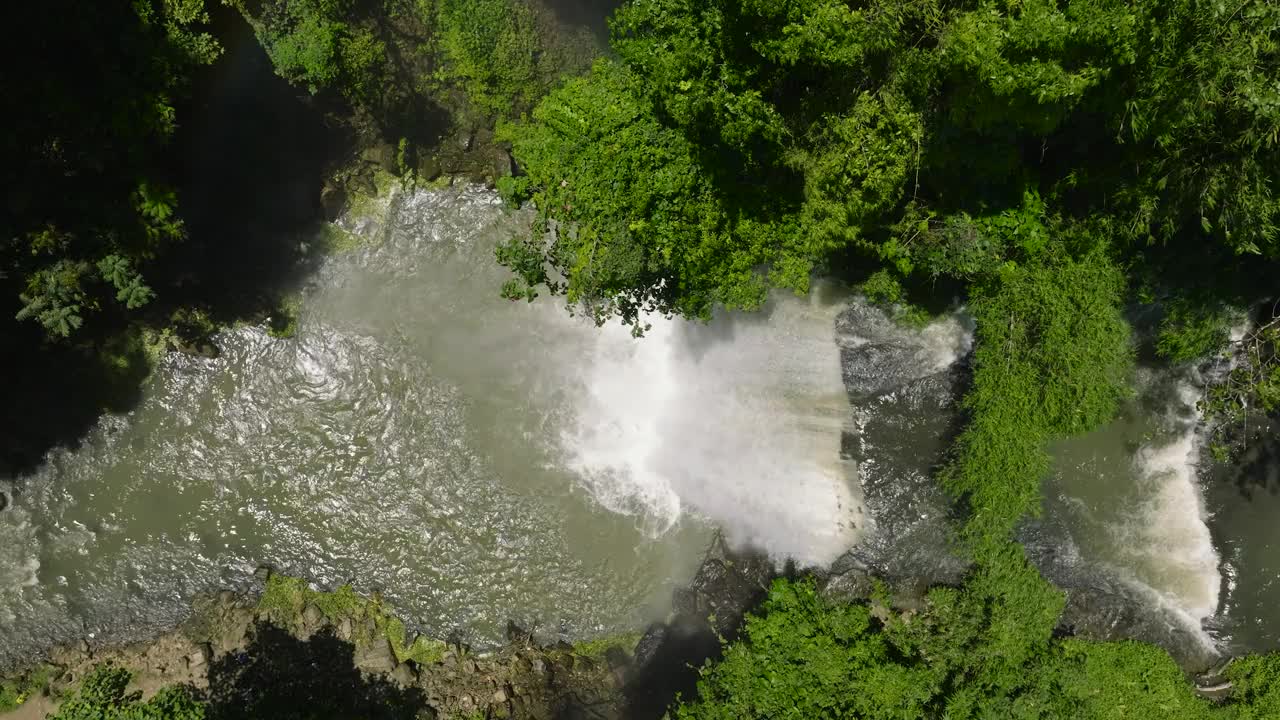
(312, 617)
(429, 167)
(200, 657)
(376, 656)
(236, 630)
(382, 155)
(333, 199)
(404, 676)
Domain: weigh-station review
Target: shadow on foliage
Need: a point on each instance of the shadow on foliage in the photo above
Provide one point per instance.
(252, 157)
(249, 161)
(591, 14)
(284, 678)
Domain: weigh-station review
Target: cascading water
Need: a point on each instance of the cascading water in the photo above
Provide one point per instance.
(474, 458)
(739, 419)
(479, 460)
(1125, 528)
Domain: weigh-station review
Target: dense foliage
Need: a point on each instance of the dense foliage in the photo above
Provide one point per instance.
(481, 58)
(104, 695)
(804, 658)
(87, 208)
(1054, 160)
(927, 136)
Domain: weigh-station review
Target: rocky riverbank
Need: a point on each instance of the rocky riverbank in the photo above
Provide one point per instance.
(258, 653)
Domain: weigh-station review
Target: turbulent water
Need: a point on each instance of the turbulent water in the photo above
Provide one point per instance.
(476, 459)
(479, 460)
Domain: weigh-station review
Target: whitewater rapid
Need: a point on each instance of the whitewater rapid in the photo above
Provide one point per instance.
(478, 459)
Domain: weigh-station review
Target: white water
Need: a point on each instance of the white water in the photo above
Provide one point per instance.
(1131, 495)
(1173, 552)
(739, 420)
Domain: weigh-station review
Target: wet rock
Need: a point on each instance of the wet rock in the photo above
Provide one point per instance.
(652, 641)
(333, 199)
(429, 167)
(854, 584)
(376, 656)
(617, 658)
(197, 348)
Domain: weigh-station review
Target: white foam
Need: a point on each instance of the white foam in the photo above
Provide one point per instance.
(1172, 550)
(739, 420)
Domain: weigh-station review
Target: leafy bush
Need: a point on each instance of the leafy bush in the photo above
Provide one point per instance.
(493, 50)
(104, 695)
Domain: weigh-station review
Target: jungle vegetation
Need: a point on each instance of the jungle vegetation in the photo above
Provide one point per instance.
(1053, 161)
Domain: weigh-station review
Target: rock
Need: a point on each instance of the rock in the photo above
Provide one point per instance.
(851, 585)
(376, 656)
(517, 635)
(429, 167)
(262, 573)
(235, 633)
(313, 617)
(650, 643)
(200, 657)
(346, 629)
(4, 501)
(617, 658)
(499, 696)
(382, 155)
(333, 199)
(404, 676)
(503, 164)
(226, 599)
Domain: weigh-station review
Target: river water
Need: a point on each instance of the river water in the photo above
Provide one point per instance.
(478, 460)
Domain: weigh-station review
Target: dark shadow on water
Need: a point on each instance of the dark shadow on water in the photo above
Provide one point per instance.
(729, 584)
(54, 393)
(284, 678)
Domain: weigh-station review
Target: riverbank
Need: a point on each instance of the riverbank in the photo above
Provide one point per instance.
(287, 636)
(284, 641)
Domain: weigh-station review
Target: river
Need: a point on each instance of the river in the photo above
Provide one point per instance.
(478, 460)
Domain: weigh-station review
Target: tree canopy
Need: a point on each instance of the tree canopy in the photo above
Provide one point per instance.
(927, 136)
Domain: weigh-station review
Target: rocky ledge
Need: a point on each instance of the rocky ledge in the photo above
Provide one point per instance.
(262, 654)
